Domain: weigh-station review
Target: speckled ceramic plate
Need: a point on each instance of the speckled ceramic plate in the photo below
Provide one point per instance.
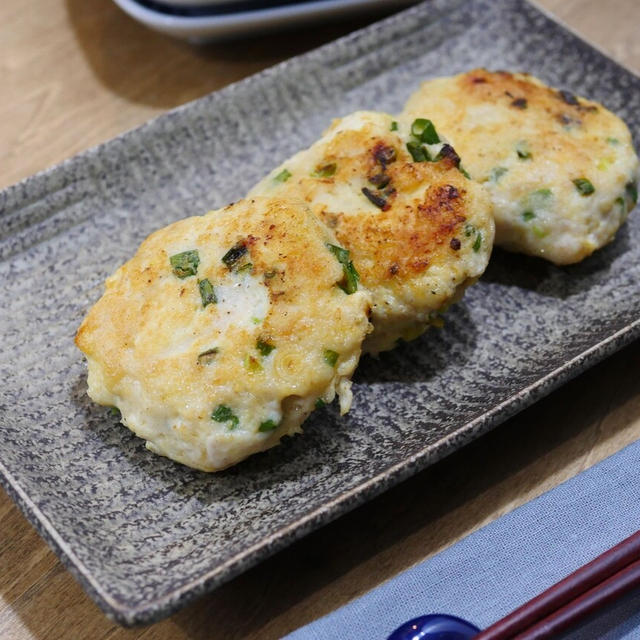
(145, 535)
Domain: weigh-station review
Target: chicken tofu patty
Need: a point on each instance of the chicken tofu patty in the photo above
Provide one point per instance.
(561, 170)
(219, 336)
(417, 229)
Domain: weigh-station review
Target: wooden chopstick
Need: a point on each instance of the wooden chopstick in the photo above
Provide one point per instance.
(563, 602)
(599, 596)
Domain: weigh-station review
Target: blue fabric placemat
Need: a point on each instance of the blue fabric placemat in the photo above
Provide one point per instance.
(499, 567)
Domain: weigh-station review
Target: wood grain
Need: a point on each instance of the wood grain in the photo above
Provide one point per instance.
(76, 73)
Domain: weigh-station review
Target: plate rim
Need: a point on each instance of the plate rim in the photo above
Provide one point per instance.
(158, 608)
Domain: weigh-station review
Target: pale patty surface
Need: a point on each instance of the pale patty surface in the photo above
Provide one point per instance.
(561, 169)
(211, 374)
(420, 236)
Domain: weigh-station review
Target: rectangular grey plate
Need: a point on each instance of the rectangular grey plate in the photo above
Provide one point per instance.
(145, 535)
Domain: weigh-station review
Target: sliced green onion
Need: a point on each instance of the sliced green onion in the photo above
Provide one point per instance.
(115, 412)
(464, 172)
(247, 267)
(207, 292)
(394, 126)
(478, 243)
(584, 186)
(613, 141)
(539, 231)
(375, 198)
(185, 264)
(330, 357)
(523, 151)
(222, 413)
(622, 203)
(448, 152)
(418, 152)
(267, 425)
(283, 176)
(320, 403)
(208, 356)
(527, 216)
(380, 180)
(325, 171)
(264, 347)
(251, 364)
(351, 276)
(497, 173)
(540, 199)
(233, 256)
(424, 130)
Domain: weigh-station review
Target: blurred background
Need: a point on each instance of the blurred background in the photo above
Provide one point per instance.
(77, 72)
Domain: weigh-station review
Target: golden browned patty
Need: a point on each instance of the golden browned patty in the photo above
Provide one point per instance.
(418, 230)
(561, 169)
(223, 331)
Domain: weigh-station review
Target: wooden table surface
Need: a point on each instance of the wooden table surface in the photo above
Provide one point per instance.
(75, 73)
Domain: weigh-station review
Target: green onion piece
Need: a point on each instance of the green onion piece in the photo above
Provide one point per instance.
(185, 264)
(539, 199)
(207, 293)
(614, 141)
(233, 256)
(208, 356)
(325, 171)
(523, 151)
(464, 172)
(376, 199)
(424, 130)
(497, 173)
(115, 412)
(330, 357)
(469, 229)
(351, 276)
(519, 103)
(622, 203)
(256, 320)
(267, 425)
(251, 364)
(320, 403)
(222, 413)
(283, 176)
(380, 180)
(418, 152)
(394, 126)
(264, 347)
(527, 216)
(248, 267)
(342, 255)
(631, 191)
(584, 186)
(478, 243)
(539, 231)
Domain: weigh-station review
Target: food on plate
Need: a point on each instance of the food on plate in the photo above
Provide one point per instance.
(561, 169)
(224, 331)
(396, 196)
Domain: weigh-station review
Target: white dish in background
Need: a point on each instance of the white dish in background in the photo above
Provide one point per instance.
(220, 26)
(199, 3)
